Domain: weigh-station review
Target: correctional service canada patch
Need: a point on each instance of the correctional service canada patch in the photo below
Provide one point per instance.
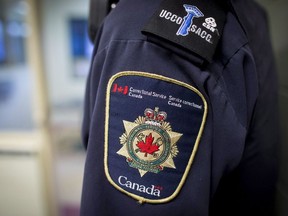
(152, 131)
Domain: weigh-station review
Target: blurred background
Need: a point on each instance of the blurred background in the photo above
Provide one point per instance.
(44, 61)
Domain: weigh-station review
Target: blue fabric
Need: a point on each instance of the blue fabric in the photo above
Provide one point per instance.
(233, 172)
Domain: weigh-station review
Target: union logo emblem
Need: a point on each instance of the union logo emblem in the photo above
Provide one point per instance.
(148, 143)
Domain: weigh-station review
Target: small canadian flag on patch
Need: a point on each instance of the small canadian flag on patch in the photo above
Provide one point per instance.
(120, 89)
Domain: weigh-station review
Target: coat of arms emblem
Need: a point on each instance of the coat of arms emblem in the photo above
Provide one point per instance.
(148, 143)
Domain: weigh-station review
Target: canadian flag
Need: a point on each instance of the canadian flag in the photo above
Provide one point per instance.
(120, 89)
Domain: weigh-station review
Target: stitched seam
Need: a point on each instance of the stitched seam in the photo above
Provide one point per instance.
(222, 91)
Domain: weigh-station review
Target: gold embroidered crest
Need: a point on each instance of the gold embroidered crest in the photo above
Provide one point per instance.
(148, 143)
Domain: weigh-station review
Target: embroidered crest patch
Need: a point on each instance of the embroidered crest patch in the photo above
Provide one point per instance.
(153, 128)
(149, 144)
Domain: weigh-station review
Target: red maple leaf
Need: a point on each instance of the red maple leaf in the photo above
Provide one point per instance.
(148, 147)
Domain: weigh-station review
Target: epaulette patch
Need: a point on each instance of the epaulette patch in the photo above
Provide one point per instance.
(195, 25)
(152, 131)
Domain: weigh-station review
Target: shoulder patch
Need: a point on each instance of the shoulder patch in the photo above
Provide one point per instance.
(152, 130)
(195, 25)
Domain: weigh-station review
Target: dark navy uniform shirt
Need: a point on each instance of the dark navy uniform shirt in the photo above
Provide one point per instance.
(171, 131)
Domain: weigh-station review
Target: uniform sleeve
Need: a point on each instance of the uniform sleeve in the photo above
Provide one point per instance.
(250, 188)
(90, 94)
(86, 116)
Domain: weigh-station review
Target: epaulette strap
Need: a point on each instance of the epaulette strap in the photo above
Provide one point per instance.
(193, 25)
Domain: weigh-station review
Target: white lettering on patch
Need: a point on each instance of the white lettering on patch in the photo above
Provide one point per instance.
(172, 17)
(210, 24)
(150, 190)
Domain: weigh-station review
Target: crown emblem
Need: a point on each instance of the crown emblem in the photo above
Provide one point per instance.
(155, 116)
